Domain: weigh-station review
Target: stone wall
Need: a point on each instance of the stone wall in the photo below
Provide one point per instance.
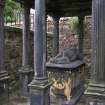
(13, 49)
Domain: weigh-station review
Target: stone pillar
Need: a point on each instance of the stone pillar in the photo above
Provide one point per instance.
(2, 66)
(2, 35)
(25, 71)
(40, 86)
(56, 36)
(81, 33)
(46, 37)
(26, 36)
(96, 87)
(3, 74)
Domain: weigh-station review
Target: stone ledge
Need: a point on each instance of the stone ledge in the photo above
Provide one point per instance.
(95, 89)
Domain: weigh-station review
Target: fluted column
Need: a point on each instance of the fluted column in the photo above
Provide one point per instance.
(40, 85)
(97, 81)
(56, 36)
(2, 35)
(98, 41)
(81, 32)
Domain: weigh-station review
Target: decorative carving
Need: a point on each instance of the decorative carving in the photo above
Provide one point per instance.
(64, 82)
(68, 55)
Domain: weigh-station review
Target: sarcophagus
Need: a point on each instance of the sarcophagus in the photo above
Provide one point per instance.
(66, 71)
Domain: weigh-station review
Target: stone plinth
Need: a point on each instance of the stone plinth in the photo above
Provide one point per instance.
(40, 92)
(26, 76)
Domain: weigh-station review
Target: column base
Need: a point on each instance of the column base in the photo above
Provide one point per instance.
(4, 84)
(95, 94)
(3, 76)
(40, 92)
(26, 75)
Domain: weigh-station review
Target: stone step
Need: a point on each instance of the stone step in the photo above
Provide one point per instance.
(95, 94)
(97, 85)
(97, 89)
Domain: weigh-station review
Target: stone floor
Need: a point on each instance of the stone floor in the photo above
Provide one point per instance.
(23, 101)
(16, 99)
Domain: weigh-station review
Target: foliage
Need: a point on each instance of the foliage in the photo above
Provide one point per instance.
(10, 7)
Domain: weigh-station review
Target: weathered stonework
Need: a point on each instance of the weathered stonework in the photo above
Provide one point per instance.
(13, 48)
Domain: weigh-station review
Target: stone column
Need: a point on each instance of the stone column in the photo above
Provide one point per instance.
(46, 37)
(26, 36)
(2, 66)
(56, 36)
(26, 70)
(97, 82)
(81, 33)
(3, 74)
(2, 35)
(40, 86)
